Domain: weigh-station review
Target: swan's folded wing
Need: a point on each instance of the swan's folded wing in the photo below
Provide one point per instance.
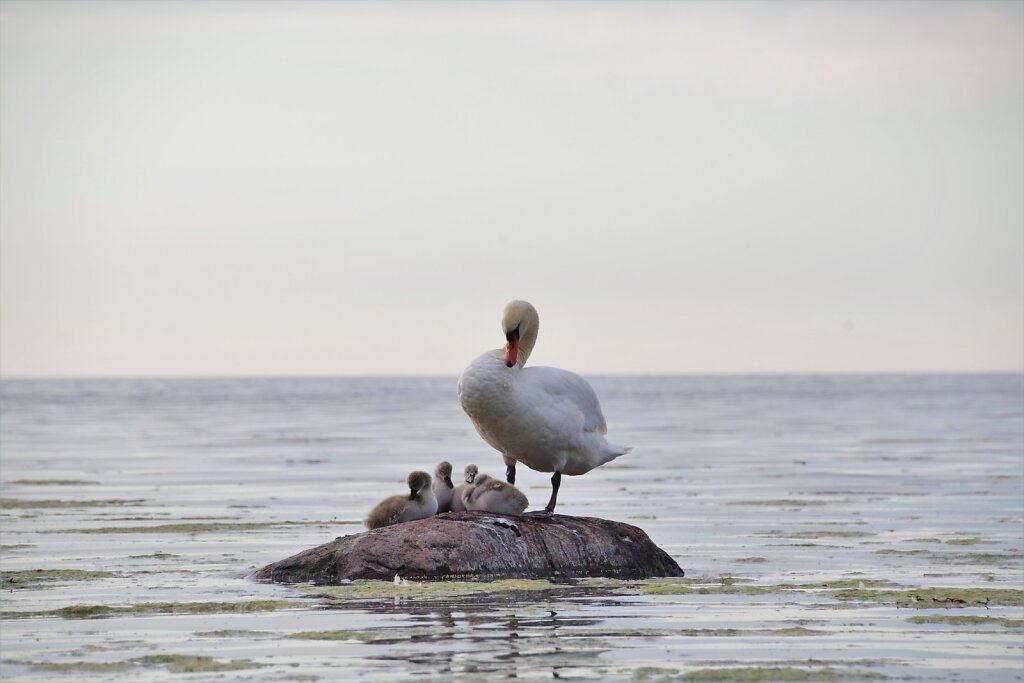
(555, 386)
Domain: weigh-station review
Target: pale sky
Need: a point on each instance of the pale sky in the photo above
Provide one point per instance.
(239, 188)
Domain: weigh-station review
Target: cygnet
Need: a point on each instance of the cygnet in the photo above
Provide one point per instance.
(470, 475)
(419, 504)
(443, 486)
(493, 495)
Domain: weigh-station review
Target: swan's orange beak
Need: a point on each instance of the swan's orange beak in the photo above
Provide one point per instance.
(512, 348)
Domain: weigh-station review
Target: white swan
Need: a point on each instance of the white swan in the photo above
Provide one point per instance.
(419, 504)
(546, 418)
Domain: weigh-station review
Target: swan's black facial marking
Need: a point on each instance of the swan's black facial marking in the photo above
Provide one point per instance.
(512, 348)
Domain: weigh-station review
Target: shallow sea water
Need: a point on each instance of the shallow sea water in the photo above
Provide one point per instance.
(831, 528)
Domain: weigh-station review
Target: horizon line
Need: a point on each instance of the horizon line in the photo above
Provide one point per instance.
(442, 375)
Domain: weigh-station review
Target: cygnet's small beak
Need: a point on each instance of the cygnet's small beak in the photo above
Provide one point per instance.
(512, 348)
(448, 480)
(412, 494)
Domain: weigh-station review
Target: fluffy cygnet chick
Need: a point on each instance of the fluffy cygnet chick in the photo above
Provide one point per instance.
(443, 486)
(470, 476)
(493, 495)
(419, 504)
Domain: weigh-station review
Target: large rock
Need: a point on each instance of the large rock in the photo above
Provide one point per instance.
(459, 545)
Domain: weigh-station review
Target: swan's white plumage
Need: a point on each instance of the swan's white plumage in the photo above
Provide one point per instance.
(546, 418)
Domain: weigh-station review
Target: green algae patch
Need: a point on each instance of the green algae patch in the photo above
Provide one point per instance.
(161, 517)
(726, 585)
(923, 598)
(700, 580)
(53, 482)
(646, 673)
(967, 541)
(40, 578)
(896, 551)
(818, 533)
(712, 632)
(88, 611)
(967, 620)
(15, 546)
(185, 528)
(996, 559)
(381, 636)
(787, 632)
(234, 633)
(175, 663)
(755, 558)
(13, 504)
(195, 663)
(369, 589)
(793, 631)
(945, 558)
(603, 582)
(700, 585)
(74, 667)
(145, 608)
(879, 590)
(758, 674)
(836, 584)
(668, 589)
(360, 636)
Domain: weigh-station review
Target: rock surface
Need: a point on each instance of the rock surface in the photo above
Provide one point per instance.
(483, 545)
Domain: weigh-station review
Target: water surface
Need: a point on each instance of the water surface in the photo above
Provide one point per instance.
(831, 528)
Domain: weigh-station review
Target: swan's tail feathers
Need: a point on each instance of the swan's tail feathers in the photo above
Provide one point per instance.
(614, 451)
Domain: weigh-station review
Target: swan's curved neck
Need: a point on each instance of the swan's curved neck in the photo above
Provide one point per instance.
(527, 339)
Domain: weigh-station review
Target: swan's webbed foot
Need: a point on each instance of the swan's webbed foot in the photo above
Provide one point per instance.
(539, 514)
(510, 474)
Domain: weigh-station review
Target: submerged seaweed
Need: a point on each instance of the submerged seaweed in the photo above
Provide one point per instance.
(145, 608)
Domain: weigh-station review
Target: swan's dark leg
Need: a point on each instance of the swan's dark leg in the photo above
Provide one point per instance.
(510, 474)
(549, 509)
(556, 480)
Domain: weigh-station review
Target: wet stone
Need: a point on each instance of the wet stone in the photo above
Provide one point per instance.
(480, 545)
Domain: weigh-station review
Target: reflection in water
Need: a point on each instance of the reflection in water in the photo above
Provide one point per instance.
(505, 636)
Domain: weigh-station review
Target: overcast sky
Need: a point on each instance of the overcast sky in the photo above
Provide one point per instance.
(236, 188)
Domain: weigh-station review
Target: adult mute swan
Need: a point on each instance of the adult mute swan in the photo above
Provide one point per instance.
(546, 418)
